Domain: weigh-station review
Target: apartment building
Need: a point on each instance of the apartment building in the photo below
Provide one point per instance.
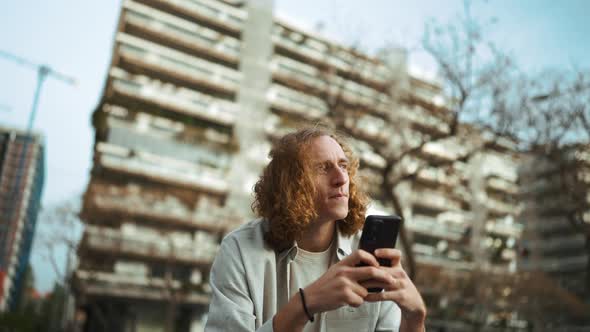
(197, 91)
(556, 189)
(22, 175)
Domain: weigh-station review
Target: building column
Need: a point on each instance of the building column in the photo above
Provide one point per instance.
(256, 52)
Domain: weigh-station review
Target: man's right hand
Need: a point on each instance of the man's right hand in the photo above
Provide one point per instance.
(342, 284)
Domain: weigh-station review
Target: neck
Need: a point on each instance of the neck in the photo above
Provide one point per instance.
(317, 237)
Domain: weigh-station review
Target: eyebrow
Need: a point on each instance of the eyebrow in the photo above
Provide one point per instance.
(341, 160)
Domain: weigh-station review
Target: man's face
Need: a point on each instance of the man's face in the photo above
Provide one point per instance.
(330, 172)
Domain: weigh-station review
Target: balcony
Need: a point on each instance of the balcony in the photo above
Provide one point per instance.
(499, 207)
(434, 200)
(500, 166)
(444, 151)
(182, 33)
(139, 135)
(433, 227)
(141, 56)
(322, 53)
(135, 287)
(424, 119)
(562, 264)
(504, 228)
(292, 101)
(113, 241)
(168, 210)
(438, 176)
(503, 185)
(428, 255)
(309, 78)
(367, 154)
(165, 129)
(551, 225)
(287, 70)
(211, 12)
(161, 169)
(569, 242)
(180, 100)
(368, 127)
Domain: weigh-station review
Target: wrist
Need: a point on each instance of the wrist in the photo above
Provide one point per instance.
(309, 315)
(291, 317)
(415, 322)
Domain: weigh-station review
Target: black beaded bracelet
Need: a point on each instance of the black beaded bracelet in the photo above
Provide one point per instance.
(305, 305)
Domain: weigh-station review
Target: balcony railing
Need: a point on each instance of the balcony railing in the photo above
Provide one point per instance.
(318, 52)
(161, 169)
(562, 264)
(291, 69)
(501, 166)
(135, 287)
(433, 227)
(504, 185)
(182, 65)
(500, 207)
(550, 225)
(367, 153)
(136, 136)
(182, 100)
(114, 241)
(168, 209)
(368, 127)
(423, 118)
(428, 255)
(434, 200)
(442, 151)
(180, 30)
(213, 12)
(351, 92)
(297, 102)
(569, 242)
(504, 228)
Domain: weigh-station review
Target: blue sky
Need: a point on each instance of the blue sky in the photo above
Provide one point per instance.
(75, 38)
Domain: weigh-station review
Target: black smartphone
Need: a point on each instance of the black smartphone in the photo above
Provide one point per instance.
(379, 232)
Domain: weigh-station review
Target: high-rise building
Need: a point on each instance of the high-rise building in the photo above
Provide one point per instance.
(22, 175)
(198, 90)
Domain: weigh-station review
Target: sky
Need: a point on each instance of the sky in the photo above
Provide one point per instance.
(75, 38)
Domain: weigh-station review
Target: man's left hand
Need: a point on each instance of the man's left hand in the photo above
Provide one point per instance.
(399, 289)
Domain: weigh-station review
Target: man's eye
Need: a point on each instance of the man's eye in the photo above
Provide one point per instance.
(344, 167)
(322, 169)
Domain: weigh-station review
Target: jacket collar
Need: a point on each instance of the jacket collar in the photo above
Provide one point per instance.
(343, 243)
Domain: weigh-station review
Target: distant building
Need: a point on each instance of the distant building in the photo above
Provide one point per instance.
(22, 175)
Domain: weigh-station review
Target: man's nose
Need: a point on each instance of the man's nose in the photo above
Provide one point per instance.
(340, 176)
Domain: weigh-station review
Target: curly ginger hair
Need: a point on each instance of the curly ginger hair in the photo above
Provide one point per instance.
(284, 194)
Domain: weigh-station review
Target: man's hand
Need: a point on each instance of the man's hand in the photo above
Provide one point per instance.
(399, 288)
(341, 284)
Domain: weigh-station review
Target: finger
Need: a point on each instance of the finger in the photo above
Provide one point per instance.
(397, 271)
(360, 256)
(374, 284)
(368, 273)
(389, 284)
(394, 255)
(396, 296)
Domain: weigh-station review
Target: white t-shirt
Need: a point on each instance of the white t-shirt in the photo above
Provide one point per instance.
(306, 268)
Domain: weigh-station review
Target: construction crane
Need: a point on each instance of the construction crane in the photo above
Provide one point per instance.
(43, 72)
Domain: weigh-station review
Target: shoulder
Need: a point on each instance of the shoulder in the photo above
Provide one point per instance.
(247, 237)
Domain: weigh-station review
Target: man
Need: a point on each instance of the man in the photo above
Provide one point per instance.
(295, 268)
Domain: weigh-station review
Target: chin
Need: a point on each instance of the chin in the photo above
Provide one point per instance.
(339, 215)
